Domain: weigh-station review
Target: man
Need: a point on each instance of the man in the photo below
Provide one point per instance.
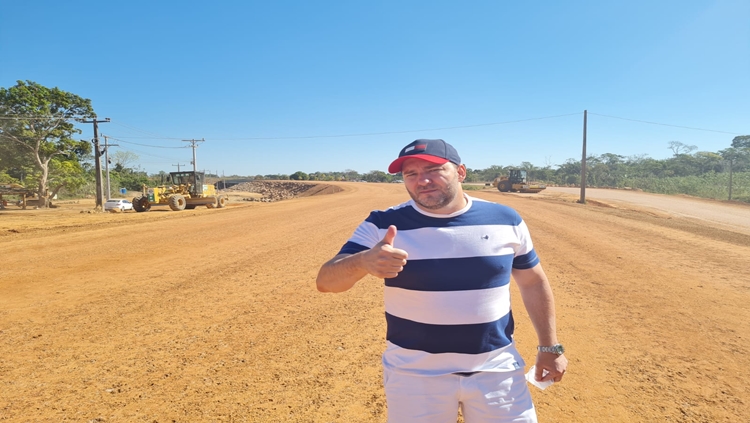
(447, 259)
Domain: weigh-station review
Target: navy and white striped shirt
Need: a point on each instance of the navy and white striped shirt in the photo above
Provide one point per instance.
(449, 309)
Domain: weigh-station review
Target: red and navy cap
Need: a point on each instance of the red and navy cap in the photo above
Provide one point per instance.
(434, 151)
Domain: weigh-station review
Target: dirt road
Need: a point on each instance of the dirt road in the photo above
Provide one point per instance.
(733, 216)
(212, 315)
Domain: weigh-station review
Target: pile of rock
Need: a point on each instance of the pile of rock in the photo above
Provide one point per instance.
(271, 190)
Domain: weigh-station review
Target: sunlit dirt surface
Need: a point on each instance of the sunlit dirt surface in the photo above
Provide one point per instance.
(213, 316)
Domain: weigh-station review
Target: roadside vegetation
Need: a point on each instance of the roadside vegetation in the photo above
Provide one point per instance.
(710, 185)
(39, 151)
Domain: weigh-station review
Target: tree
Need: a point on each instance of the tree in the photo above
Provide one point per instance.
(680, 148)
(472, 175)
(739, 158)
(490, 173)
(569, 173)
(276, 177)
(128, 178)
(40, 128)
(642, 166)
(351, 175)
(121, 159)
(321, 176)
(376, 176)
(299, 176)
(65, 174)
(15, 164)
(742, 141)
(733, 155)
(707, 162)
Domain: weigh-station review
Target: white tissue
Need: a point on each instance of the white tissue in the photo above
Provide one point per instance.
(540, 385)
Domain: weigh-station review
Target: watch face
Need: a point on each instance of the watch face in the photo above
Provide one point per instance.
(554, 349)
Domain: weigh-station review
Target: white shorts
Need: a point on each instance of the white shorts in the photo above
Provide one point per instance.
(483, 397)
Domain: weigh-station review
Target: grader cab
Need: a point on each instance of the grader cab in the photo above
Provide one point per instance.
(182, 190)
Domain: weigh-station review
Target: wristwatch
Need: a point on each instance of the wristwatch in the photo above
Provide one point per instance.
(554, 349)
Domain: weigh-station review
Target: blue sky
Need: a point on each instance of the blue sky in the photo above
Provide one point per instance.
(285, 86)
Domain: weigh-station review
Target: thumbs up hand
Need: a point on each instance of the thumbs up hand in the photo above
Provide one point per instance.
(384, 260)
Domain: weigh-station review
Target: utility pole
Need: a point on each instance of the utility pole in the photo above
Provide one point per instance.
(97, 161)
(194, 144)
(582, 200)
(730, 179)
(178, 166)
(106, 163)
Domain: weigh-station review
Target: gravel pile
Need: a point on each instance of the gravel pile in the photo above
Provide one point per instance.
(271, 190)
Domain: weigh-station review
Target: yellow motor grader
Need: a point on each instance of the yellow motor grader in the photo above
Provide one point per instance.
(183, 190)
(516, 181)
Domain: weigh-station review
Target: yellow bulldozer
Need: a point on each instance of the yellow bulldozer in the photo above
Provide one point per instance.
(182, 190)
(516, 181)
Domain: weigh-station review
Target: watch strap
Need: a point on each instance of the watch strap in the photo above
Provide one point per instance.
(554, 349)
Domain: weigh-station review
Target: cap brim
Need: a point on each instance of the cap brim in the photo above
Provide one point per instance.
(396, 165)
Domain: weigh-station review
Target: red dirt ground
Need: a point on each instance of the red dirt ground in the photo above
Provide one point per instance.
(213, 316)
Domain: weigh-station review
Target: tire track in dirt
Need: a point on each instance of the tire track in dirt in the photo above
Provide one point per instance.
(212, 315)
(659, 299)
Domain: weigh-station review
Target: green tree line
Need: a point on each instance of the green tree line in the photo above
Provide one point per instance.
(39, 150)
(699, 173)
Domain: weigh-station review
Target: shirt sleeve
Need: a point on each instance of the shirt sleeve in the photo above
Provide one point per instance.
(525, 256)
(365, 237)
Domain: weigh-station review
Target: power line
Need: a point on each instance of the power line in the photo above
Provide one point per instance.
(194, 145)
(443, 129)
(138, 129)
(106, 162)
(141, 153)
(665, 124)
(376, 133)
(10, 117)
(397, 132)
(144, 145)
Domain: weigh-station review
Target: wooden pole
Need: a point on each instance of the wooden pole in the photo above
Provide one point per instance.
(582, 200)
(730, 179)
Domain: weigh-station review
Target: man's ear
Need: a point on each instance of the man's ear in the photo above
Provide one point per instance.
(461, 169)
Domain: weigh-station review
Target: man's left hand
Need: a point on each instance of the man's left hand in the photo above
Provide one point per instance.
(554, 364)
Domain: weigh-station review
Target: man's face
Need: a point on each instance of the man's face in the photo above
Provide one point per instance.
(434, 187)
